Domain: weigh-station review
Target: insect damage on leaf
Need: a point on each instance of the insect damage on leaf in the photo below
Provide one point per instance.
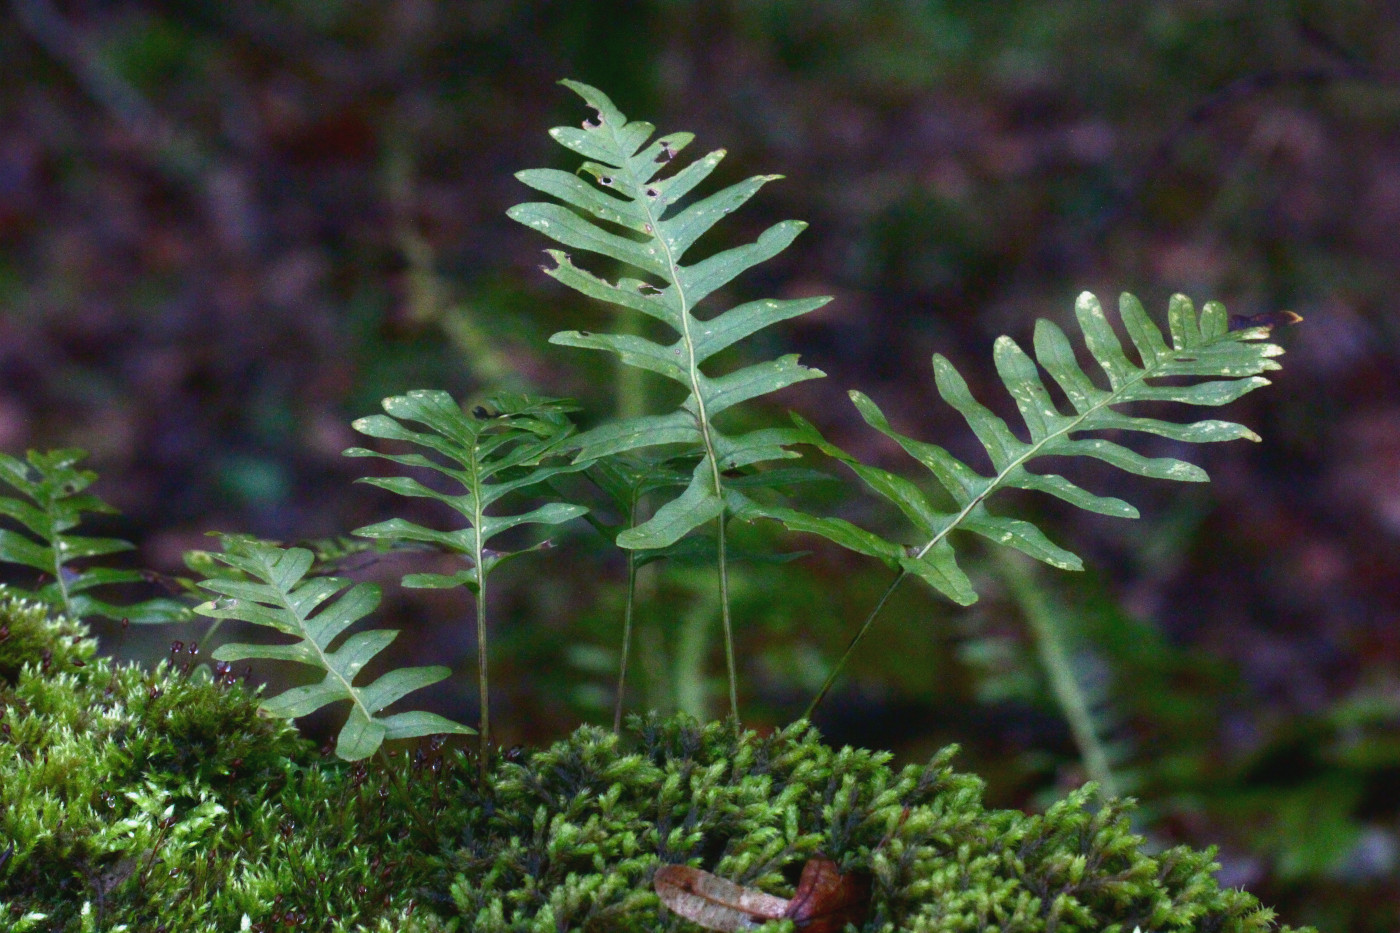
(825, 901)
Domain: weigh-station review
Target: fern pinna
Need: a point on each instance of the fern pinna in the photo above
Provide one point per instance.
(632, 216)
(497, 450)
(1207, 346)
(270, 586)
(55, 487)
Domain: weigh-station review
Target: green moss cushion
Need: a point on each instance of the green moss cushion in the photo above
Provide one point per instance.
(148, 800)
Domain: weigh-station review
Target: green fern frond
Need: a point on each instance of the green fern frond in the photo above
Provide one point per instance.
(634, 216)
(1202, 347)
(497, 450)
(653, 241)
(277, 593)
(54, 486)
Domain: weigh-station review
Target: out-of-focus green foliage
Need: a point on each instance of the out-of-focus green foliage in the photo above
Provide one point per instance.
(54, 487)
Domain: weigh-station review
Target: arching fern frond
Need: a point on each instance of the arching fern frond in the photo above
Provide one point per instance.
(277, 593)
(635, 217)
(1202, 347)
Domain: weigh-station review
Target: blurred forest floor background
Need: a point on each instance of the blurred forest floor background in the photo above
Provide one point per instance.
(227, 229)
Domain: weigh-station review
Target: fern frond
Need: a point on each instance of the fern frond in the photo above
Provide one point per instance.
(277, 593)
(54, 486)
(497, 450)
(634, 216)
(1203, 346)
(653, 241)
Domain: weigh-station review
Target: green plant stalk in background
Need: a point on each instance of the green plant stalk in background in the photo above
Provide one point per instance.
(1049, 635)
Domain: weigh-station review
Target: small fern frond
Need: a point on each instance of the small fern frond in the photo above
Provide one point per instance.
(1203, 347)
(647, 232)
(53, 486)
(277, 593)
(497, 450)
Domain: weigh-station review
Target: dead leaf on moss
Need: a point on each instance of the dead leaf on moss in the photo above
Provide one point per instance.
(712, 901)
(825, 900)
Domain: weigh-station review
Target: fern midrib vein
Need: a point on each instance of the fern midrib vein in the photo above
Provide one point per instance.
(1034, 449)
(284, 596)
(56, 548)
(673, 268)
(478, 552)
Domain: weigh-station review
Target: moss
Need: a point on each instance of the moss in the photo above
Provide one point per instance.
(160, 800)
(149, 800)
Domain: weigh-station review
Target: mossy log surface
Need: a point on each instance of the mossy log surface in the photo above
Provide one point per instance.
(159, 799)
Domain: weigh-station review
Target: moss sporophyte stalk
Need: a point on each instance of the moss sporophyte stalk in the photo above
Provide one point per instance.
(179, 797)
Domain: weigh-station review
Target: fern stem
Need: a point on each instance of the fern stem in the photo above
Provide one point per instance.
(724, 617)
(702, 418)
(485, 725)
(1059, 669)
(627, 614)
(631, 403)
(850, 648)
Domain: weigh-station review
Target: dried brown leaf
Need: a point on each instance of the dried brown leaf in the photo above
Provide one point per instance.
(826, 900)
(712, 901)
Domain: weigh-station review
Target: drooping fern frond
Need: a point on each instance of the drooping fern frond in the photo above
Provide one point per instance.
(54, 486)
(1203, 347)
(277, 593)
(495, 451)
(634, 216)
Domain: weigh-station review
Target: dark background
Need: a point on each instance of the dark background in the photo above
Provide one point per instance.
(227, 229)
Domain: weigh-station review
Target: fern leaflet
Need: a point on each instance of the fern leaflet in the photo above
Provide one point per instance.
(494, 452)
(653, 239)
(54, 486)
(277, 593)
(1202, 347)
